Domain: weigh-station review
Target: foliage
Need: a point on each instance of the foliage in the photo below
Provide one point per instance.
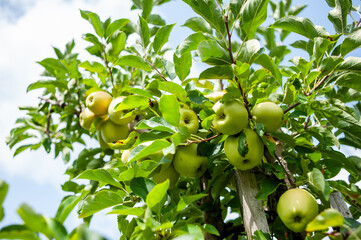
(319, 94)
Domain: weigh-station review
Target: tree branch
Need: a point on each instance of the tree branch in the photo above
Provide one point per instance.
(156, 69)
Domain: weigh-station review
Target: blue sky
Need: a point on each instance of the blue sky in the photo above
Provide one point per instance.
(28, 30)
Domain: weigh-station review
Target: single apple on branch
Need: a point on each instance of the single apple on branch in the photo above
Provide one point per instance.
(296, 208)
(269, 114)
(189, 119)
(98, 102)
(231, 117)
(112, 132)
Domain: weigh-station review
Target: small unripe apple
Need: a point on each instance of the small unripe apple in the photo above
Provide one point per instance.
(117, 116)
(231, 117)
(98, 102)
(296, 208)
(269, 114)
(86, 118)
(188, 163)
(254, 155)
(189, 119)
(167, 172)
(112, 132)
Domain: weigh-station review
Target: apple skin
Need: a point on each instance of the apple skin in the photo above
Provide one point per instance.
(101, 141)
(296, 208)
(189, 119)
(98, 102)
(231, 117)
(167, 172)
(255, 151)
(269, 114)
(86, 118)
(187, 163)
(116, 116)
(215, 96)
(112, 132)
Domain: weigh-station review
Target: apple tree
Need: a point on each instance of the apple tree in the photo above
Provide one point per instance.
(249, 148)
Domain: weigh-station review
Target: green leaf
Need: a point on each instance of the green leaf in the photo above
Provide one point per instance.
(182, 64)
(66, 206)
(57, 229)
(147, 6)
(320, 47)
(351, 42)
(267, 62)
(3, 191)
(267, 187)
(328, 218)
(100, 200)
(93, 67)
(141, 186)
(350, 80)
(217, 72)
(116, 25)
(253, 14)
(190, 43)
(173, 88)
(144, 32)
(161, 37)
(338, 15)
(208, 228)
(94, 19)
(300, 25)
(157, 196)
(242, 144)
(198, 24)
(209, 11)
(133, 101)
(54, 66)
(249, 51)
(133, 61)
(33, 220)
(156, 123)
(212, 53)
(18, 232)
(186, 200)
(50, 85)
(141, 151)
(350, 64)
(169, 107)
(317, 179)
(100, 175)
(126, 211)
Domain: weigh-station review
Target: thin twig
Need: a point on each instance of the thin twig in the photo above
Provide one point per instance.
(53, 102)
(109, 68)
(156, 69)
(203, 140)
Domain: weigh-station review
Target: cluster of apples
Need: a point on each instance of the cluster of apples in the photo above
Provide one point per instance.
(231, 118)
(113, 125)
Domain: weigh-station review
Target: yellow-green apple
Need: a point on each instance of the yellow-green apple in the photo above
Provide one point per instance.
(112, 132)
(254, 155)
(296, 208)
(231, 117)
(188, 163)
(215, 96)
(167, 172)
(269, 114)
(98, 102)
(118, 116)
(86, 118)
(189, 119)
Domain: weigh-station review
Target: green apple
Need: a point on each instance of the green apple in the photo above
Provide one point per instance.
(231, 117)
(167, 172)
(98, 102)
(189, 119)
(112, 132)
(269, 114)
(254, 155)
(188, 163)
(118, 116)
(215, 96)
(86, 118)
(296, 208)
(101, 141)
